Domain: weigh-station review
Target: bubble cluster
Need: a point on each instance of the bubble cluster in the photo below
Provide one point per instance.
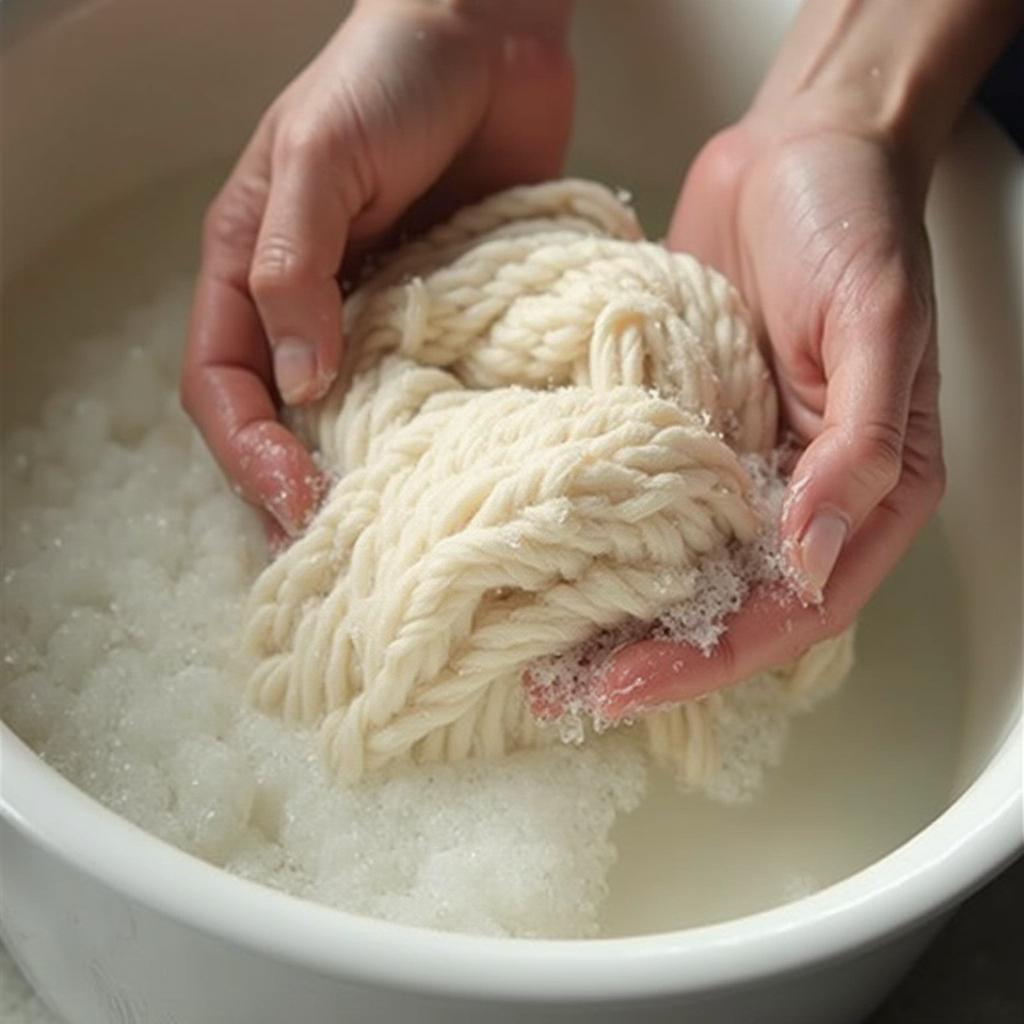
(569, 683)
(125, 560)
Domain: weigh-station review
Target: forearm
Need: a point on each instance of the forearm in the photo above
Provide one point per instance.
(901, 68)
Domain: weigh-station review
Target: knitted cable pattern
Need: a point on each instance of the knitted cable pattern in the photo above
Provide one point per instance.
(537, 439)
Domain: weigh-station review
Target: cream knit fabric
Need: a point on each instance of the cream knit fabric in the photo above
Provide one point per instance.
(537, 440)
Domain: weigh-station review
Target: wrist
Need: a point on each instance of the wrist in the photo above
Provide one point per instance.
(840, 113)
(898, 71)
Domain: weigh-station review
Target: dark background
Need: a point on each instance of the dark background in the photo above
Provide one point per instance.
(974, 971)
(1002, 93)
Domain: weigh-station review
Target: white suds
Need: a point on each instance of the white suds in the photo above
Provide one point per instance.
(720, 584)
(125, 559)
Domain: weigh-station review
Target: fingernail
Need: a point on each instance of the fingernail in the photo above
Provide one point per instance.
(277, 537)
(294, 369)
(280, 509)
(819, 549)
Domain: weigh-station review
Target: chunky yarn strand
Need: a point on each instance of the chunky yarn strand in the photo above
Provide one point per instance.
(538, 438)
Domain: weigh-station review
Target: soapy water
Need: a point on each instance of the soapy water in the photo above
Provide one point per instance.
(566, 687)
(125, 562)
(125, 559)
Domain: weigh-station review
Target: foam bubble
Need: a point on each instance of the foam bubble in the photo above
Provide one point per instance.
(125, 562)
(750, 722)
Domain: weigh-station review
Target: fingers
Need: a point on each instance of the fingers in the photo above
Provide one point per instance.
(295, 262)
(226, 374)
(510, 145)
(696, 226)
(872, 350)
(774, 628)
(225, 389)
(227, 377)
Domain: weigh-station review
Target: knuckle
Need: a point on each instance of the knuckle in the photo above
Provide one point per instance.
(721, 149)
(279, 265)
(231, 221)
(925, 468)
(299, 141)
(891, 299)
(902, 307)
(879, 456)
(722, 159)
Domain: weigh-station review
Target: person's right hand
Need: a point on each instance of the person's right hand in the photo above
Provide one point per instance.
(412, 109)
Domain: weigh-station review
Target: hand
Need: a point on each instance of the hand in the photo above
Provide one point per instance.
(813, 204)
(411, 109)
(821, 228)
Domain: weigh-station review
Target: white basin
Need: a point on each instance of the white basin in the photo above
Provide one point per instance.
(108, 97)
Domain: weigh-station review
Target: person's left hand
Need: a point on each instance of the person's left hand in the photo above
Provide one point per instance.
(821, 228)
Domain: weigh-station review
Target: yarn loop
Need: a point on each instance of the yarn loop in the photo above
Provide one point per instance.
(537, 438)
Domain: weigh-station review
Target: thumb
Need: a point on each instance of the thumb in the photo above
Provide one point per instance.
(872, 351)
